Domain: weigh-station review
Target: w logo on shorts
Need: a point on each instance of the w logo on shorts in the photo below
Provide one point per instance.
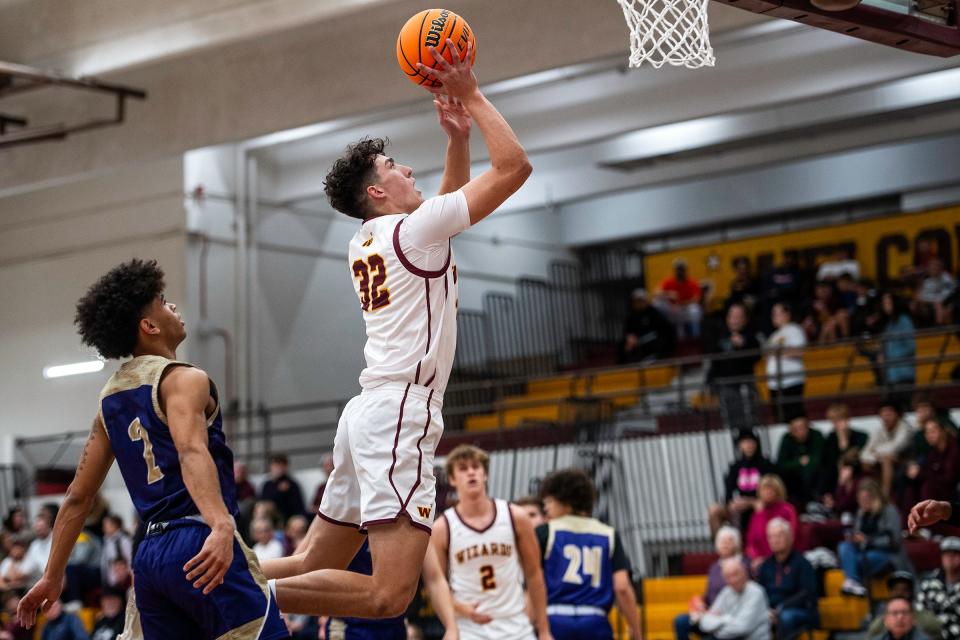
(424, 512)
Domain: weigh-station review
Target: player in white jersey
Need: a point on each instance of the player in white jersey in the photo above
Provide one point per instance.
(406, 283)
(489, 548)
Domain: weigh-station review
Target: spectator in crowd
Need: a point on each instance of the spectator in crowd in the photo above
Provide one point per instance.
(898, 344)
(841, 440)
(116, 544)
(14, 574)
(83, 568)
(39, 549)
(846, 288)
(783, 283)
(940, 593)
(790, 583)
(740, 611)
(799, 461)
(925, 408)
(744, 289)
(327, 465)
(929, 303)
(772, 505)
(121, 576)
(741, 483)
(840, 264)
(825, 320)
(873, 546)
(10, 628)
(843, 499)
(266, 546)
(532, 506)
(110, 623)
(886, 445)
(647, 333)
(15, 524)
(899, 621)
(679, 298)
(62, 625)
(728, 545)
(866, 317)
(785, 370)
(245, 489)
(935, 475)
(731, 376)
(294, 533)
(282, 489)
(900, 584)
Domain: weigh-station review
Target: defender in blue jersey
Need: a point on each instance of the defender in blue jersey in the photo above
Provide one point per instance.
(584, 564)
(160, 418)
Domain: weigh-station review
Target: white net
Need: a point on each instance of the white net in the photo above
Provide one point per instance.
(672, 32)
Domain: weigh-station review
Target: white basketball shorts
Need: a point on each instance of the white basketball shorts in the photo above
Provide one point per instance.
(383, 458)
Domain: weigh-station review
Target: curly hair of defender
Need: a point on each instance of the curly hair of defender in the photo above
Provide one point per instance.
(347, 181)
(109, 314)
(571, 487)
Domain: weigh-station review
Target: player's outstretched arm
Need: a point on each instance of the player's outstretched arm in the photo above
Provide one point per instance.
(455, 122)
(529, 550)
(509, 165)
(439, 589)
(627, 601)
(186, 392)
(94, 464)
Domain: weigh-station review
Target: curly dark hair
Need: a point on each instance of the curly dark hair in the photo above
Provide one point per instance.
(109, 314)
(571, 487)
(349, 177)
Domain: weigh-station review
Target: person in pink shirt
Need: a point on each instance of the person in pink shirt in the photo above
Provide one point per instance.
(771, 503)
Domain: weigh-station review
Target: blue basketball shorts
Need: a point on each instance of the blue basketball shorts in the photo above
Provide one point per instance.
(350, 629)
(580, 627)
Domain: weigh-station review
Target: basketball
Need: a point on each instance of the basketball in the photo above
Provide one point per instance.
(431, 28)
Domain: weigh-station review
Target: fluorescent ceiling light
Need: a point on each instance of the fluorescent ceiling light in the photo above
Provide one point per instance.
(76, 368)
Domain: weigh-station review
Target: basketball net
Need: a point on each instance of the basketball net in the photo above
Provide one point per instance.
(672, 32)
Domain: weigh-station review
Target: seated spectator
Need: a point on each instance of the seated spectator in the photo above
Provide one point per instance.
(14, 574)
(874, 545)
(62, 625)
(934, 290)
(898, 344)
(10, 629)
(679, 298)
(740, 484)
(110, 623)
(731, 376)
(790, 583)
(266, 546)
(785, 369)
(116, 544)
(744, 289)
(282, 490)
(899, 621)
(825, 319)
(327, 464)
(843, 500)
(886, 445)
(740, 611)
(846, 289)
(121, 577)
(940, 593)
(900, 584)
(728, 546)
(83, 568)
(841, 440)
(647, 334)
(866, 317)
(772, 504)
(935, 475)
(294, 533)
(840, 264)
(15, 524)
(39, 550)
(799, 462)
(925, 408)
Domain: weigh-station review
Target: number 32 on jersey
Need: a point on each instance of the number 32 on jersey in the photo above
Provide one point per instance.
(372, 276)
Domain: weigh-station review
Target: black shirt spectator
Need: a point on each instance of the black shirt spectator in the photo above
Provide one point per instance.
(283, 490)
(732, 377)
(790, 582)
(841, 440)
(646, 331)
(800, 461)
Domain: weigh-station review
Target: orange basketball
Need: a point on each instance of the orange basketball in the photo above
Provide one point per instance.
(432, 28)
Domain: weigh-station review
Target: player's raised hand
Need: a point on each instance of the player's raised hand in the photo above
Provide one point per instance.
(38, 600)
(207, 568)
(927, 513)
(456, 78)
(454, 119)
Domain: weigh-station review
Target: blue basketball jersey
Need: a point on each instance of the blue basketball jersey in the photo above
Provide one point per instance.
(144, 449)
(578, 562)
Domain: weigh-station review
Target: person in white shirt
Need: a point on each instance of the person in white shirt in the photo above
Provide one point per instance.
(13, 571)
(785, 370)
(267, 546)
(39, 550)
(933, 292)
(740, 610)
(885, 445)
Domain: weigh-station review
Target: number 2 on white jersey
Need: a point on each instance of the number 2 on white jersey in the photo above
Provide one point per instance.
(138, 433)
(589, 558)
